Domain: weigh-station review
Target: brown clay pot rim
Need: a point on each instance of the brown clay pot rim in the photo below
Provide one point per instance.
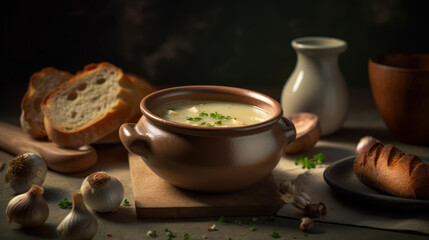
(377, 61)
(276, 111)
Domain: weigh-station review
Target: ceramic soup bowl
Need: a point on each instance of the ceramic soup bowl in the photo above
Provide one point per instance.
(209, 159)
(400, 87)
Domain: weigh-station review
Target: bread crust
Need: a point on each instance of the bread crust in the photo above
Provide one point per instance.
(31, 123)
(389, 170)
(125, 107)
(145, 88)
(113, 137)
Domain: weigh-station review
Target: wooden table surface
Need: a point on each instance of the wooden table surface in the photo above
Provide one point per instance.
(363, 119)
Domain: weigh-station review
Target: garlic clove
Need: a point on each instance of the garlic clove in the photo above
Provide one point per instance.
(79, 224)
(285, 186)
(28, 209)
(306, 224)
(102, 192)
(365, 143)
(306, 197)
(26, 170)
(300, 202)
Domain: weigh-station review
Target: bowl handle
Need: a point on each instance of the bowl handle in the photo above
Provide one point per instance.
(289, 130)
(134, 141)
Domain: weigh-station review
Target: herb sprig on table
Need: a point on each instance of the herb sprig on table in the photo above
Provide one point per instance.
(223, 219)
(274, 235)
(65, 204)
(309, 163)
(252, 227)
(186, 236)
(152, 233)
(126, 202)
(169, 234)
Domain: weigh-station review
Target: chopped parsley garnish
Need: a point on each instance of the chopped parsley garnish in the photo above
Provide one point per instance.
(214, 115)
(65, 204)
(169, 234)
(219, 116)
(126, 202)
(195, 119)
(206, 124)
(310, 162)
(223, 219)
(151, 233)
(186, 236)
(274, 235)
(252, 227)
(238, 222)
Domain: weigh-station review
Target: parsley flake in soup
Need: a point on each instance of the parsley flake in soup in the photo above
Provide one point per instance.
(212, 113)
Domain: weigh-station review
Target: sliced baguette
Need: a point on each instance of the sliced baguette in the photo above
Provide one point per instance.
(145, 88)
(90, 106)
(40, 84)
(113, 137)
(388, 169)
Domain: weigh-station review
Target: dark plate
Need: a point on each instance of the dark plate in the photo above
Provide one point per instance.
(342, 179)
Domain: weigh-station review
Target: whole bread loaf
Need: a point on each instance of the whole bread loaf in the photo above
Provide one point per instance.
(40, 84)
(90, 106)
(389, 170)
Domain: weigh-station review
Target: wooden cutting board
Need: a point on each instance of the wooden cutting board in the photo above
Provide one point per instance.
(156, 198)
(14, 140)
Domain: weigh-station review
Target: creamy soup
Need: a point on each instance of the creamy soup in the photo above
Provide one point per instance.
(212, 113)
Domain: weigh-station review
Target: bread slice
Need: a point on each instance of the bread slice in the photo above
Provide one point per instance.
(90, 105)
(40, 84)
(145, 88)
(113, 137)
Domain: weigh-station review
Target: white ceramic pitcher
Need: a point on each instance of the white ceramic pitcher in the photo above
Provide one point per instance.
(316, 85)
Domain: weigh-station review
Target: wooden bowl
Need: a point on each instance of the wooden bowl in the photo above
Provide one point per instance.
(307, 132)
(400, 87)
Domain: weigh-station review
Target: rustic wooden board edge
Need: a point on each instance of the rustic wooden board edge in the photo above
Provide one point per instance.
(221, 205)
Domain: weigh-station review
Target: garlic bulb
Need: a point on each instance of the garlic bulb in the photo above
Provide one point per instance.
(79, 224)
(101, 192)
(28, 209)
(26, 170)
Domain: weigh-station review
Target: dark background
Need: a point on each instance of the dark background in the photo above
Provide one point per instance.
(236, 43)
